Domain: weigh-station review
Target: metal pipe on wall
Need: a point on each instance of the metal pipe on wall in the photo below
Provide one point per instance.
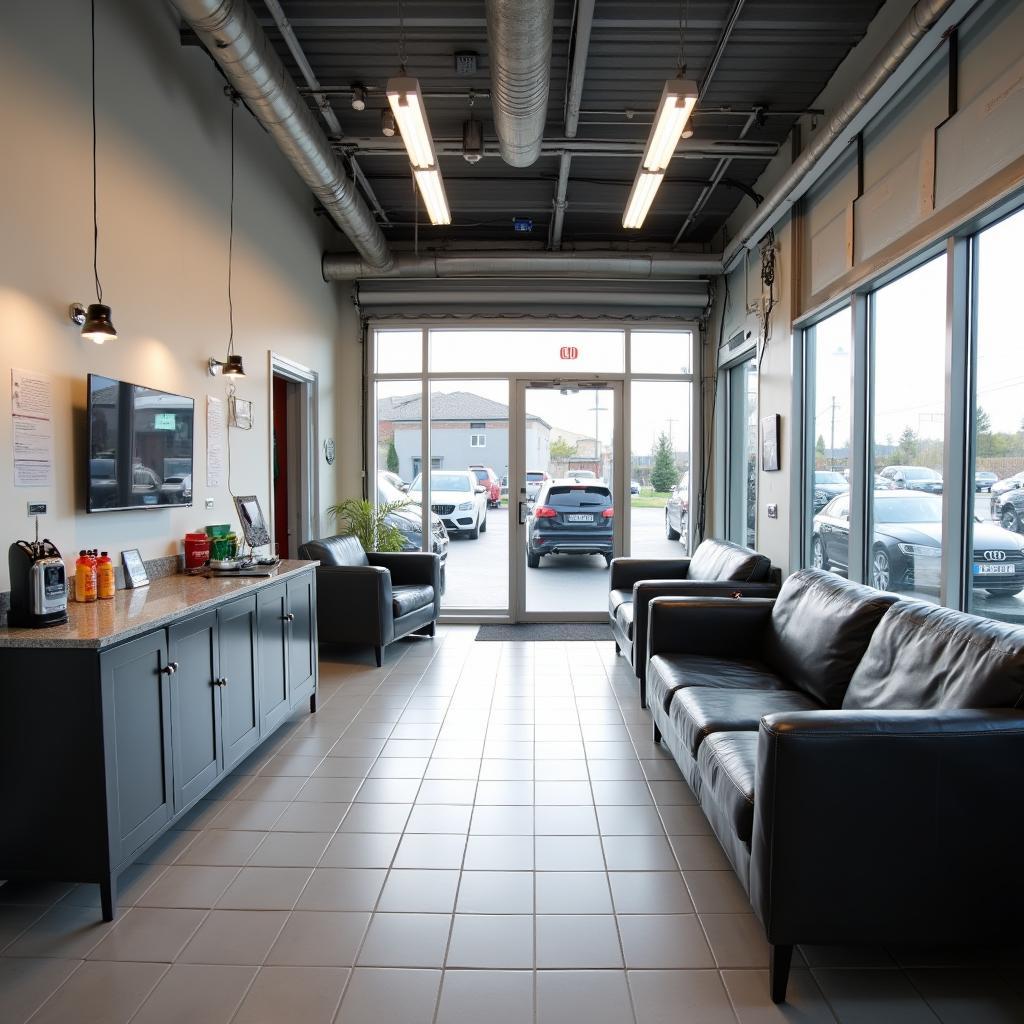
(233, 37)
(580, 49)
(560, 192)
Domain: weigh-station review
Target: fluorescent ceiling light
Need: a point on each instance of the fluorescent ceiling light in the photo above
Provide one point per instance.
(407, 103)
(678, 99)
(432, 189)
(645, 188)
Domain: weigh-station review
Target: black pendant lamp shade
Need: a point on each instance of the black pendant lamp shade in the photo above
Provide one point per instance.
(232, 367)
(98, 326)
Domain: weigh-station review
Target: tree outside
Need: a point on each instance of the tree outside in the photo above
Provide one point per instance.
(392, 457)
(665, 473)
(561, 449)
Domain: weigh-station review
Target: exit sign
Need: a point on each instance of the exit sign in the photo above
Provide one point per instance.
(569, 352)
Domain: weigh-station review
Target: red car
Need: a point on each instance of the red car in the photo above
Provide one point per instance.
(489, 481)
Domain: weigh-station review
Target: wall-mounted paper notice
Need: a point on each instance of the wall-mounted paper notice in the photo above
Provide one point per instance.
(31, 429)
(216, 428)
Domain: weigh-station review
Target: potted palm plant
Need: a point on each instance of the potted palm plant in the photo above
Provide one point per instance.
(369, 523)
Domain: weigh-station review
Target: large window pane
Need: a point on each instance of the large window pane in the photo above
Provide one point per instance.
(659, 468)
(909, 332)
(526, 351)
(398, 351)
(660, 351)
(741, 454)
(996, 565)
(827, 410)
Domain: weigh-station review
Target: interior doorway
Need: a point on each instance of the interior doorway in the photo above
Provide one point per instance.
(293, 478)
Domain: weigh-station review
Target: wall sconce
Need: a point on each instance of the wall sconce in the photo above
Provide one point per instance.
(230, 367)
(95, 321)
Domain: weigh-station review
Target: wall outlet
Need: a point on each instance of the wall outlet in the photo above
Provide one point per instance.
(773, 511)
(209, 504)
(37, 508)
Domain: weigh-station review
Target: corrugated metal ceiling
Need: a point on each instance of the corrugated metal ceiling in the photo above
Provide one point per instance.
(778, 57)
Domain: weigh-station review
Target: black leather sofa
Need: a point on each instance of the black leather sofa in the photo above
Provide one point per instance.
(718, 568)
(859, 758)
(373, 598)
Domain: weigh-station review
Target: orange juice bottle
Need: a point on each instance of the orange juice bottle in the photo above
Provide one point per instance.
(85, 577)
(105, 577)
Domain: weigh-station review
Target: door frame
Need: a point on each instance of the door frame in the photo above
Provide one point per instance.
(303, 425)
(615, 383)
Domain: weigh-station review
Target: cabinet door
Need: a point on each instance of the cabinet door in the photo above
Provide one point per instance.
(136, 737)
(302, 654)
(195, 706)
(272, 611)
(239, 701)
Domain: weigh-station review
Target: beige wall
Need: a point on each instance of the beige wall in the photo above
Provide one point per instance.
(163, 195)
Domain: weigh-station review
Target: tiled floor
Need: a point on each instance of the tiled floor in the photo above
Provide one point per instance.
(473, 833)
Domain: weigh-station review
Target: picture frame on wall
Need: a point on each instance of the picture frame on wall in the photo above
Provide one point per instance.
(135, 574)
(240, 411)
(770, 443)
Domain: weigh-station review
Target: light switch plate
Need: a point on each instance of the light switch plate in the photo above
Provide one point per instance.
(37, 508)
(209, 504)
(773, 511)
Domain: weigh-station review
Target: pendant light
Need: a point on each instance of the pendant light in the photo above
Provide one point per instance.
(97, 323)
(231, 365)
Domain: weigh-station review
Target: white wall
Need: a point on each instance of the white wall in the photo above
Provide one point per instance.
(163, 206)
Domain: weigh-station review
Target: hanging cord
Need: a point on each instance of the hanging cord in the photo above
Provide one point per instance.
(231, 234)
(401, 37)
(95, 211)
(684, 28)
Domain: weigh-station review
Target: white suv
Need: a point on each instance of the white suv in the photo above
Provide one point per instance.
(457, 497)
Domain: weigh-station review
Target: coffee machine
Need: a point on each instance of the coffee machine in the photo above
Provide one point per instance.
(39, 585)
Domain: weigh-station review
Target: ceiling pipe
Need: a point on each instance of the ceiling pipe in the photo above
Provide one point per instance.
(519, 37)
(593, 264)
(922, 18)
(561, 190)
(506, 297)
(232, 34)
(580, 49)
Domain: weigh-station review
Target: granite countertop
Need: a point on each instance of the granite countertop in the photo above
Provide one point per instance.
(102, 623)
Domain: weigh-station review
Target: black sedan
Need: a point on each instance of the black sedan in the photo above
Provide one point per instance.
(1008, 510)
(827, 484)
(409, 520)
(677, 510)
(907, 546)
(984, 479)
(570, 519)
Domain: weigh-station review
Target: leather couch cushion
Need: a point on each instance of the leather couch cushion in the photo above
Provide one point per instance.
(616, 597)
(697, 711)
(922, 656)
(410, 598)
(723, 560)
(820, 628)
(339, 550)
(668, 673)
(624, 617)
(726, 762)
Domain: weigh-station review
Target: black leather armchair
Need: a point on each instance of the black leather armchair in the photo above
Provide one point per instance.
(373, 598)
(718, 568)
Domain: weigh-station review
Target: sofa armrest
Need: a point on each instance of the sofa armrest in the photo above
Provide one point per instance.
(409, 567)
(888, 826)
(353, 604)
(627, 571)
(646, 590)
(722, 627)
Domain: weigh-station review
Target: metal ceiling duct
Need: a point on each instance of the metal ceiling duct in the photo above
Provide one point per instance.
(920, 19)
(596, 264)
(519, 37)
(232, 34)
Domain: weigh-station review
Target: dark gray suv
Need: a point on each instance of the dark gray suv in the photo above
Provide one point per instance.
(571, 518)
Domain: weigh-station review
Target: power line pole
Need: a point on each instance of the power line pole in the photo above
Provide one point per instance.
(832, 448)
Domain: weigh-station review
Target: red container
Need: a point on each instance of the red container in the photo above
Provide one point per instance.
(197, 550)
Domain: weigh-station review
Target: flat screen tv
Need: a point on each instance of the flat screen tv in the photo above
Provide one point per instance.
(140, 446)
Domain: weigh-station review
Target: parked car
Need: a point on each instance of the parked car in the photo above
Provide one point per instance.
(907, 545)
(634, 486)
(177, 490)
(409, 521)
(489, 481)
(457, 497)
(827, 485)
(571, 518)
(581, 474)
(1008, 510)
(1010, 483)
(984, 479)
(677, 510)
(913, 478)
(535, 479)
(394, 479)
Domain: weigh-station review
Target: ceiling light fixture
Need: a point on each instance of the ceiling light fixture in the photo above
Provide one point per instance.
(406, 101)
(96, 323)
(231, 365)
(358, 96)
(645, 188)
(387, 123)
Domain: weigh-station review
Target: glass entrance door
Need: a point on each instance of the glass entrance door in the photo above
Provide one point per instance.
(566, 482)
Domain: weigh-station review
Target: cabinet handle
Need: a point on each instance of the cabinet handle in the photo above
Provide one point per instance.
(170, 668)
(290, 617)
(220, 682)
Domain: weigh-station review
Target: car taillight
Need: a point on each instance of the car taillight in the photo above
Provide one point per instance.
(608, 513)
(544, 512)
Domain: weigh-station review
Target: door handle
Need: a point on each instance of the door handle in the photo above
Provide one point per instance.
(220, 682)
(524, 512)
(290, 617)
(170, 668)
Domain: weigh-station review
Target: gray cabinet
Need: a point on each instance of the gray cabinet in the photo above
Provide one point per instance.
(272, 612)
(302, 652)
(195, 706)
(135, 683)
(239, 693)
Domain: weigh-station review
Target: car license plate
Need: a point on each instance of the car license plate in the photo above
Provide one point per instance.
(577, 517)
(994, 570)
